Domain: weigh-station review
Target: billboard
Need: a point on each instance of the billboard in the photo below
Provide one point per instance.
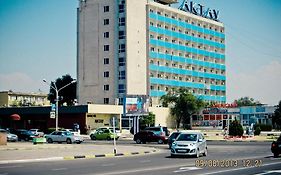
(136, 105)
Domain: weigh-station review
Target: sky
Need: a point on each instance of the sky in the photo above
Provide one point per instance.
(38, 41)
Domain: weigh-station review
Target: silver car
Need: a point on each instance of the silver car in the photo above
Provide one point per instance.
(63, 136)
(10, 137)
(189, 143)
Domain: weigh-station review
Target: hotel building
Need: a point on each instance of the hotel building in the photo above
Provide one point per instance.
(145, 48)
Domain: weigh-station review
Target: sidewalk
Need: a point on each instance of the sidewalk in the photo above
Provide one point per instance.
(27, 152)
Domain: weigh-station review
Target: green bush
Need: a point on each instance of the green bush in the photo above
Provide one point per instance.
(235, 129)
(257, 131)
(263, 127)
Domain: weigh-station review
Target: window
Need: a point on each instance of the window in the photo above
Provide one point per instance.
(122, 48)
(121, 8)
(121, 101)
(122, 21)
(122, 61)
(106, 74)
(106, 100)
(106, 87)
(105, 21)
(121, 34)
(106, 34)
(122, 75)
(106, 61)
(106, 48)
(106, 9)
(121, 88)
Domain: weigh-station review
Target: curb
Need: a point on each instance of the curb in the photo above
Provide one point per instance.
(78, 157)
(33, 148)
(108, 155)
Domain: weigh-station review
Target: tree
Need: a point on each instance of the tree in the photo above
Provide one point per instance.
(276, 118)
(183, 105)
(67, 94)
(246, 101)
(235, 129)
(148, 120)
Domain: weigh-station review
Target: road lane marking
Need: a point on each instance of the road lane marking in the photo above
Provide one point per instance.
(237, 169)
(16, 166)
(145, 161)
(59, 169)
(109, 164)
(184, 169)
(269, 172)
(143, 169)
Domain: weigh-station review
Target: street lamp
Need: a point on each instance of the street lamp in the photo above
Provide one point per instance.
(57, 97)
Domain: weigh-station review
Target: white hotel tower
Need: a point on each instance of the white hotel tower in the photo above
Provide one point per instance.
(146, 47)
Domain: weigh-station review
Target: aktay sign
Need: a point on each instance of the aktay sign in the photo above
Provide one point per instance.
(198, 9)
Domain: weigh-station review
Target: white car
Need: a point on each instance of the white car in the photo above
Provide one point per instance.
(63, 136)
(37, 132)
(189, 143)
(76, 133)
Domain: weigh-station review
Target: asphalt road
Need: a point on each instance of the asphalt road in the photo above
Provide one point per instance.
(223, 158)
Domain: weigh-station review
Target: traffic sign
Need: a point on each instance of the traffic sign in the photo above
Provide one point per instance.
(53, 107)
(52, 114)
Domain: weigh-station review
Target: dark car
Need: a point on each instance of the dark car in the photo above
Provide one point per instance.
(172, 138)
(159, 130)
(24, 134)
(149, 136)
(276, 147)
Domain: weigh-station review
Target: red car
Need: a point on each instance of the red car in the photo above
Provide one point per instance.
(149, 136)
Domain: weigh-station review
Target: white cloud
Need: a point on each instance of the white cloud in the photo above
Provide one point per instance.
(263, 84)
(21, 82)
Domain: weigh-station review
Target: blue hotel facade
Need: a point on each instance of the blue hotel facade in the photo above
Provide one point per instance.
(185, 50)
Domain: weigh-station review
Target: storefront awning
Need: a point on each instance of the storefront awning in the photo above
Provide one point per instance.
(15, 117)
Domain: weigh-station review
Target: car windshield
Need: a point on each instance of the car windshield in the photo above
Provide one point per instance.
(187, 137)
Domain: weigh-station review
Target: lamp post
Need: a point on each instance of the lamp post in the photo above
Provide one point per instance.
(57, 97)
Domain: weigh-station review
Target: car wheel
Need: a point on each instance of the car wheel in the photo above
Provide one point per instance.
(68, 141)
(205, 152)
(138, 141)
(26, 139)
(78, 142)
(160, 141)
(275, 155)
(49, 140)
(108, 138)
(93, 137)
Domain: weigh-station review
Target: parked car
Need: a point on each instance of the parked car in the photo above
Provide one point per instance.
(37, 132)
(159, 130)
(63, 136)
(104, 134)
(149, 136)
(76, 133)
(276, 147)
(117, 130)
(189, 143)
(10, 137)
(172, 138)
(24, 134)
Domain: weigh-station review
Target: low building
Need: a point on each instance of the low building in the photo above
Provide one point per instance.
(86, 116)
(219, 117)
(10, 98)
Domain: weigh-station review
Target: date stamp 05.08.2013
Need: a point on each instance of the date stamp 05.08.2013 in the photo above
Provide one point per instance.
(227, 163)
